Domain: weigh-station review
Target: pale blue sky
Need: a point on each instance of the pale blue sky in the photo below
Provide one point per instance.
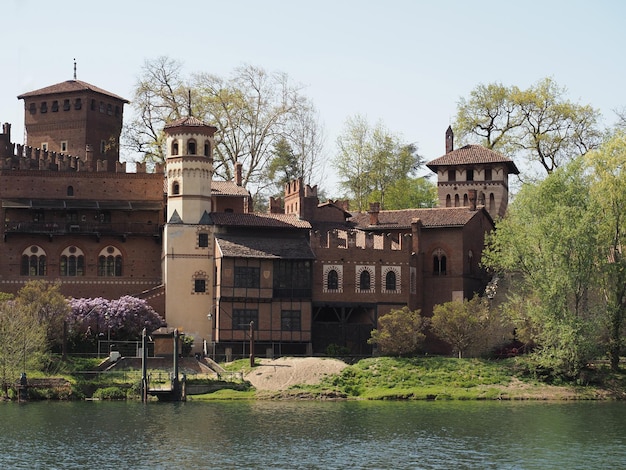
(405, 63)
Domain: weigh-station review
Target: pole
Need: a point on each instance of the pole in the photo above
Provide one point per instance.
(251, 344)
(144, 366)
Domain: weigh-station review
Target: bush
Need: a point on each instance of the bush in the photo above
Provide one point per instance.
(110, 393)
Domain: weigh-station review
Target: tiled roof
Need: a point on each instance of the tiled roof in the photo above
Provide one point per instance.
(259, 220)
(188, 121)
(69, 86)
(263, 247)
(401, 219)
(227, 188)
(471, 154)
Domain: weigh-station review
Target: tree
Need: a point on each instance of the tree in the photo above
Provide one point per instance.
(408, 193)
(23, 340)
(46, 303)
(252, 110)
(399, 332)
(608, 165)
(548, 243)
(371, 160)
(538, 125)
(462, 324)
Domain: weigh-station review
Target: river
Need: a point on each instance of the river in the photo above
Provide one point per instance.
(313, 435)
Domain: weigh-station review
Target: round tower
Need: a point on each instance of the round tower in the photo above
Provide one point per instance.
(188, 242)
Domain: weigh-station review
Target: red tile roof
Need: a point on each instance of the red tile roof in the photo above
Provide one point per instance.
(227, 188)
(69, 86)
(401, 219)
(472, 154)
(259, 220)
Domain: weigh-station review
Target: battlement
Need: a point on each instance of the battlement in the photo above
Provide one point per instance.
(357, 239)
(24, 157)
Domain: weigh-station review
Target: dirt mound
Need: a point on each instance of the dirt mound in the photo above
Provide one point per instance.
(282, 373)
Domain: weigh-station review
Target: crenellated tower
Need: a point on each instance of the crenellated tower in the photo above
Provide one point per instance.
(188, 258)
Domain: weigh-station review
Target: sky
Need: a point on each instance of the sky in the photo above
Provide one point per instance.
(402, 63)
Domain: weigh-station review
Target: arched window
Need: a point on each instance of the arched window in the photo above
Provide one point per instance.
(174, 147)
(456, 200)
(390, 281)
(70, 190)
(365, 280)
(72, 262)
(465, 200)
(439, 262)
(34, 262)
(448, 201)
(191, 147)
(332, 280)
(492, 202)
(175, 188)
(207, 148)
(110, 262)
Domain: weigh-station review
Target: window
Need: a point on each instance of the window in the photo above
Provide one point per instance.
(175, 188)
(469, 175)
(44, 146)
(439, 262)
(390, 281)
(203, 240)
(110, 109)
(70, 190)
(34, 261)
(66, 105)
(103, 146)
(332, 282)
(93, 105)
(207, 149)
(44, 107)
(488, 174)
(175, 147)
(55, 106)
(32, 108)
(292, 278)
(242, 318)
(110, 262)
(199, 285)
(448, 201)
(72, 262)
(246, 276)
(456, 200)
(492, 202)
(101, 108)
(290, 320)
(64, 146)
(365, 280)
(117, 111)
(191, 147)
(451, 175)
(78, 104)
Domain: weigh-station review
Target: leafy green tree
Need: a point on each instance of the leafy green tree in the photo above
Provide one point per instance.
(464, 325)
(608, 195)
(46, 303)
(548, 244)
(22, 340)
(371, 160)
(538, 125)
(399, 332)
(408, 193)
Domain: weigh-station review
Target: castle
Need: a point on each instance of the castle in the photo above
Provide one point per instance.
(303, 277)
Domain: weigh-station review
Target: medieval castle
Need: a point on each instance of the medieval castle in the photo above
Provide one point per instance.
(303, 277)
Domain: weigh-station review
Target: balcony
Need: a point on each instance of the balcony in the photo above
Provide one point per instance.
(83, 228)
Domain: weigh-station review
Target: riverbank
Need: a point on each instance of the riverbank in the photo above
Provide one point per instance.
(425, 378)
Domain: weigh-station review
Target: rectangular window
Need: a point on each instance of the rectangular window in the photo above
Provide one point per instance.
(78, 104)
(203, 240)
(290, 320)
(488, 174)
(55, 106)
(199, 285)
(243, 316)
(44, 146)
(64, 146)
(103, 146)
(470, 175)
(32, 108)
(451, 175)
(44, 107)
(292, 278)
(66, 105)
(246, 276)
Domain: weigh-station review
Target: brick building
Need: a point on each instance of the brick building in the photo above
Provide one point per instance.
(304, 277)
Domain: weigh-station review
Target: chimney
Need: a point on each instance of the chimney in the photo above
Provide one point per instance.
(449, 140)
(238, 170)
(6, 129)
(472, 199)
(373, 212)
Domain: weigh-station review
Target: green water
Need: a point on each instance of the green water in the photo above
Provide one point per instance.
(313, 435)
